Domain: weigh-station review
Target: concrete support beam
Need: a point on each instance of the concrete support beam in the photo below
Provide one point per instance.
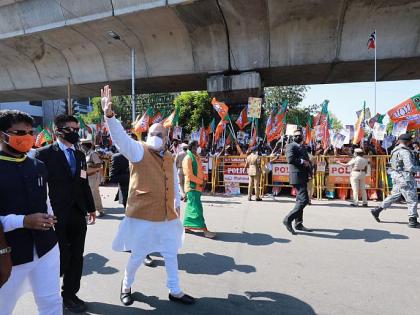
(235, 89)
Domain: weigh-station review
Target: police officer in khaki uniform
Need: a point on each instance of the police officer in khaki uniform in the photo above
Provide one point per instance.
(359, 166)
(253, 164)
(94, 168)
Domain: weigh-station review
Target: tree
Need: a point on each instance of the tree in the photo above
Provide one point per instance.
(273, 96)
(95, 116)
(336, 124)
(294, 94)
(194, 109)
(296, 114)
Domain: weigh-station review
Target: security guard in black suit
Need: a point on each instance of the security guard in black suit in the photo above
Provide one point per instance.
(299, 173)
(119, 173)
(71, 199)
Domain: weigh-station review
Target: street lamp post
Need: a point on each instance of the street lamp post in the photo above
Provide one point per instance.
(116, 36)
(133, 87)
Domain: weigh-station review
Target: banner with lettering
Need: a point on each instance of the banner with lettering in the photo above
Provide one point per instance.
(280, 170)
(409, 110)
(234, 170)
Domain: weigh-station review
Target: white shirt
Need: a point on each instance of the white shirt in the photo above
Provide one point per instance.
(133, 150)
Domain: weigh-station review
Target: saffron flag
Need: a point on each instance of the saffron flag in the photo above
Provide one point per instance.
(157, 118)
(204, 138)
(269, 124)
(274, 128)
(142, 125)
(172, 120)
(43, 137)
(219, 129)
(308, 134)
(320, 118)
(221, 108)
(359, 133)
(242, 120)
(372, 41)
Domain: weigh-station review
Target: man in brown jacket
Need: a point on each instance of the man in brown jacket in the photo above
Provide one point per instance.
(253, 164)
(151, 222)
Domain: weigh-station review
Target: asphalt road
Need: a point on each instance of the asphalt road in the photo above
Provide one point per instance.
(350, 265)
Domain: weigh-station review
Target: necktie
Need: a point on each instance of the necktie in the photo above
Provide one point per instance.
(72, 161)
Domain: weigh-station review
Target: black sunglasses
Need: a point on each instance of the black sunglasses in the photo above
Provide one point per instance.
(20, 132)
(69, 129)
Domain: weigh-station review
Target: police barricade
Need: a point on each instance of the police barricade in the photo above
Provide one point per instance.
(331, 176)
(230, 173)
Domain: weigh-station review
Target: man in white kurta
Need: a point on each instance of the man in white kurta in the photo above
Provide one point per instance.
(152, 222)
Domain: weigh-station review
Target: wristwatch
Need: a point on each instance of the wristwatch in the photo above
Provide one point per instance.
(6, 250)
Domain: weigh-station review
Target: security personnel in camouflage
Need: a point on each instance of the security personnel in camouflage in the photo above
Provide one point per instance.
(403, 166)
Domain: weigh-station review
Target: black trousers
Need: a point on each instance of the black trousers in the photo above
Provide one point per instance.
(302, 199)
(71, 239)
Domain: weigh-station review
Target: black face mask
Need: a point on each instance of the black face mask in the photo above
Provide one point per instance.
(71, 137)
(298, 138)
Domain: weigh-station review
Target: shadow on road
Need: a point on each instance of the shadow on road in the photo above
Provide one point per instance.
(254, 239)
(265, 199)
(208, 264)
(262, 303)
(221, 202)
(368, 235)
(94, 263)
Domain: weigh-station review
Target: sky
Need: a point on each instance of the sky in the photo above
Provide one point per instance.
(347, 98)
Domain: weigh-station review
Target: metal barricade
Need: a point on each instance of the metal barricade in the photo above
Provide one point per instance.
(233, 168)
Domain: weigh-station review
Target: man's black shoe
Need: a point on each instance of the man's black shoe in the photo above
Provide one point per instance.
(258, 199)
(126, 298)
(365, 205)
(185, 299)
(148, 261)
(78, 301)
(73, 306)
(375, 213)
(412, 222)
(301, 227)
(289, 227)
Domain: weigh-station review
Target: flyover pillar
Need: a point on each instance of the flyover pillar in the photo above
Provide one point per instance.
(235, 89)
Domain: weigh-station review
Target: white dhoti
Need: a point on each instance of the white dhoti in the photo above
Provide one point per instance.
(42, 277)
(143, 237)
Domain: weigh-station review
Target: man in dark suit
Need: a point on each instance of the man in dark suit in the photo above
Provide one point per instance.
(119, 173)
(71, 199)
(299, 173)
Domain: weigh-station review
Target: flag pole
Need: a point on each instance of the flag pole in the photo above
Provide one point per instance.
(376, 43)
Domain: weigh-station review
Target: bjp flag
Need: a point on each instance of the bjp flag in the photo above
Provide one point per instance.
(408, 110)
(242, 121)
(221, 108)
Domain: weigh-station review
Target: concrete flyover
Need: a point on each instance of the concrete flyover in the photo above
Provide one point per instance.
(180, 44)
